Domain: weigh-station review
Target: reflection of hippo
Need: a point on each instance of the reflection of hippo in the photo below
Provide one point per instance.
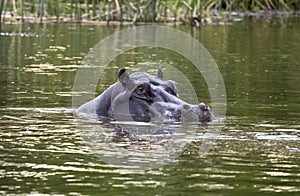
(143, 97)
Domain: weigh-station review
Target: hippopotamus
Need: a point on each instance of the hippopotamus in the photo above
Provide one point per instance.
(144, 98)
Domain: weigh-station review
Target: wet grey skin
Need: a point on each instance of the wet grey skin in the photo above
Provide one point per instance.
(143, 97)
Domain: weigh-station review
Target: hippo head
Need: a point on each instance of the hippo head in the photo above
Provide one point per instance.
(144, 97)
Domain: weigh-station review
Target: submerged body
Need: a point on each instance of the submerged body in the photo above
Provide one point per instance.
(143, 97)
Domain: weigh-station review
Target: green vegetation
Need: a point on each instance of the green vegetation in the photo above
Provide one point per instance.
(132, 11)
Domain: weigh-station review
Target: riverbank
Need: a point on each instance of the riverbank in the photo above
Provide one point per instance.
(191, 12)
(214, 18)
(44, 151)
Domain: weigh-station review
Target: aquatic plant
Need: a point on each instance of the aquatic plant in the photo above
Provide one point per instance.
(133, 11)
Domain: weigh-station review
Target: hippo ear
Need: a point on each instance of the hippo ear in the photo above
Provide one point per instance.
(160, 74)
(123, 76)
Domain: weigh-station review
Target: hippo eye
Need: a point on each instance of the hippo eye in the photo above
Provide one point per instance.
(143, 91)
(140, 89)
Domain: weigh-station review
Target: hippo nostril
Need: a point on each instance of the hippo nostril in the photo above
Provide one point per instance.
(203, 107)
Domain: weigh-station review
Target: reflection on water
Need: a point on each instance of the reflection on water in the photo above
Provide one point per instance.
(145, 145)
(43, 151)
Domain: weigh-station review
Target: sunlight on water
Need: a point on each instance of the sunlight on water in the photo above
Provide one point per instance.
(49, 149)
(45, 150)
(18, 34)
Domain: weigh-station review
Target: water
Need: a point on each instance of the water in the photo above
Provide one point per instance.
(258, 149)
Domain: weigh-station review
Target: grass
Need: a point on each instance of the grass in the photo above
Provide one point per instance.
(133, 11)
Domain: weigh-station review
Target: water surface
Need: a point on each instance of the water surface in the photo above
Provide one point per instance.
(43, 151)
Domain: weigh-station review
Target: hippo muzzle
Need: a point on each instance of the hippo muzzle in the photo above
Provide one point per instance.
(144, 98)
(170, 112)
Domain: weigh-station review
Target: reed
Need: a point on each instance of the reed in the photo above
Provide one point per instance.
(136, 10)
(1, 9)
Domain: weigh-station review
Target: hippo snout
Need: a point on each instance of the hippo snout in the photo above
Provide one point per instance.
(196, 113)
(204, 112)
(161, 111)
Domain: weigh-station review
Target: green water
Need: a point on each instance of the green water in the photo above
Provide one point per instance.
(257, 151)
